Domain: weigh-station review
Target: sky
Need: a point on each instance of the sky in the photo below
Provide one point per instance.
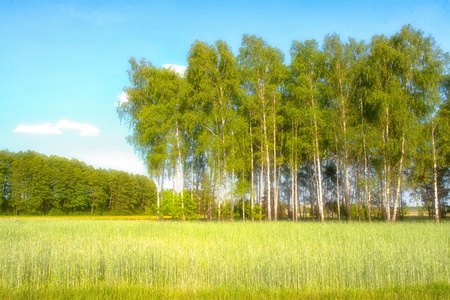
(63, 64)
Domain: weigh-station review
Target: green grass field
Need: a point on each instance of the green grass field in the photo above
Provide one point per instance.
(138, 259)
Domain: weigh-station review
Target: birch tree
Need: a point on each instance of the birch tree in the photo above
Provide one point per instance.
(262, 72)
(384, 62)
(156, 100)
(342, 86)
(213, 78)
(307, 70)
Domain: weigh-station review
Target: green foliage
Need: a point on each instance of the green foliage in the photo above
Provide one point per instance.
(172, 205)
(370, 109)
(34, 184)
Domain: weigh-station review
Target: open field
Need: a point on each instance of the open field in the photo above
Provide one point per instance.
(85, 258)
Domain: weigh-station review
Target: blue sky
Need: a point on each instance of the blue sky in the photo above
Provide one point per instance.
(64, 63)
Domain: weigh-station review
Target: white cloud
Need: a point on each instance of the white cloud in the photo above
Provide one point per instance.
(179, 69)
(123, 98)
(51, 129)
(83, 129)
(46, 129)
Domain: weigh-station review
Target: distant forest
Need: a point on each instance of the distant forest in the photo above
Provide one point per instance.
(347, 128)
(36, 184)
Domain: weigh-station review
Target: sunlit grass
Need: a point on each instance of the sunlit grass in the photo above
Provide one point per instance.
(88, 217)
(198, 258)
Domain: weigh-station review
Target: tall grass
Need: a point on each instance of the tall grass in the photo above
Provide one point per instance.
(192, 257)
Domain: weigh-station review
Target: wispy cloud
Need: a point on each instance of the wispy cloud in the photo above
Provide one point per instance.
(58, 128)
(179, 69)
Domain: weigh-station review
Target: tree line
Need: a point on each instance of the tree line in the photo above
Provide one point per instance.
(36, 184)
(348, 128)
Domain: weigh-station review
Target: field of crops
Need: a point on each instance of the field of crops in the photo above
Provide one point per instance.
(82, 258)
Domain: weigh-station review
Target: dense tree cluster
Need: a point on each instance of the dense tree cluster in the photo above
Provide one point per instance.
(346, 128)
(32, 183)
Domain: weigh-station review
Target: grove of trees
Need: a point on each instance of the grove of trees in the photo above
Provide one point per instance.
(35, 184)
(348, 129)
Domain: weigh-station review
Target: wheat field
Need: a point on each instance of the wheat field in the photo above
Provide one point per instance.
(64, 258)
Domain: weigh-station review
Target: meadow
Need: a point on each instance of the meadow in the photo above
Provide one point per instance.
(46, 258)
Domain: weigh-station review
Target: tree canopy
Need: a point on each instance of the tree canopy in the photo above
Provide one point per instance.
(354, 124)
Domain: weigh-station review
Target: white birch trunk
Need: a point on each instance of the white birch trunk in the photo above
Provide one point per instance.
(318, 166)
(219, 184)
(261, 189)
(158, 192)
(296, 198)
(232, 195)
(174, 180)
(366, 173)
(267, 157)
(224, 191)
(347, 184)
(292, 183)
(346, 167)
(399, 180)
(179, 174)
(192, 177)
(252, 191)
(338, 189)
(387, 170)
(435, 183)
(261, 175)
(275, 180)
